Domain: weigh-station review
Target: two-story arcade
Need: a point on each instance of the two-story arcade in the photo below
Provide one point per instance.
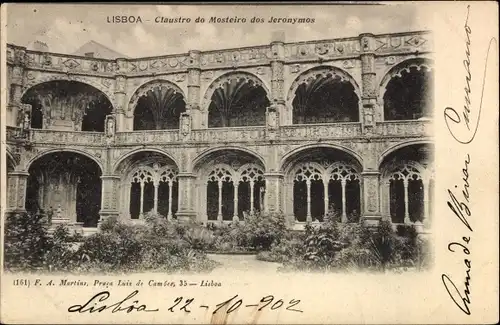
(303, 128)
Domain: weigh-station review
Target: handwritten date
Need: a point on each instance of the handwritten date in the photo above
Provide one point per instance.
(98, 304)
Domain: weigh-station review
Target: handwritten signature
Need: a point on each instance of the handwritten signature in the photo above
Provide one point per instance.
(464, 131)
(92, 305)
(455, 121)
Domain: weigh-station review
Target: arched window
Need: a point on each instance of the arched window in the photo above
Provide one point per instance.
(153, 189)
(409, 186)
(220, 194)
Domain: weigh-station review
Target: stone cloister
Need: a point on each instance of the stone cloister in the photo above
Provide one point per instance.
(335, 127)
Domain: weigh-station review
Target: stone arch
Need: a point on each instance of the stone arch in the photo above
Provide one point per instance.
(227, 187)
(66, 77)
(324, 70)
(147, 86)
(71, 103)
(68, 182)
(321, 180)
(236, 99)
(148, 183)
(209, 151)
(157, 104)
(398, 146)
(289, 155)
(71, 150)
(404, 65)
(219, 81)
(399, 72)
(407, 182)
(117, 165)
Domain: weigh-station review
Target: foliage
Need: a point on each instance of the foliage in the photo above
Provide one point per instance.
(262, 230)
(258, 231)
(26, 240)
(118, 247)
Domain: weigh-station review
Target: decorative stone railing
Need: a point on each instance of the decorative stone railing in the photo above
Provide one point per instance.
(233, 134)
(297, 132)
(320, 131)
(66, 137)
(146, 137)
(405, 128)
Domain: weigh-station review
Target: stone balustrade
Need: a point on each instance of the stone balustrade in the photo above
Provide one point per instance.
(320, 131)
(147, 137)
(404, 128)
(249, 134)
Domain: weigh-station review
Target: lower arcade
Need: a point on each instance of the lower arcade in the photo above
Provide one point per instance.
(226, 185)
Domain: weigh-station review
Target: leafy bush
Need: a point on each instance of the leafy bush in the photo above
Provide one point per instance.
(262, 230)
(26, 241)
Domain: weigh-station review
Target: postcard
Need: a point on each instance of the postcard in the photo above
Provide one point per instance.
(287, 163)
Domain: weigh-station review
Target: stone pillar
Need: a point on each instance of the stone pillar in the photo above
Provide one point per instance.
(16, 193)
(236, 183)
(407, 211)
(109, 196)
(193, 96)
(325, 198)
(370, 196)
(186, 189)
(15, 118)
(344, 212)
(120, 101)
(278, 95)
(369, 83)
(170, 190)
(308, 185)
(272, 198)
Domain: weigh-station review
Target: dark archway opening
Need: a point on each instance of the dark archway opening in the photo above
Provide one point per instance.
(409, 96)
(61, 103)
(325, 99)
(67, 181)
(238, 102)
(159, 109)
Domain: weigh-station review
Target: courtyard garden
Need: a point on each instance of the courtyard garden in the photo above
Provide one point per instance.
(161, 245)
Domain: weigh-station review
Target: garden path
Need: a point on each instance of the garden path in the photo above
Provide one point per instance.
(245, 263)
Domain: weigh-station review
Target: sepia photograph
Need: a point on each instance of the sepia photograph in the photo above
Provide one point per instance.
(143, 145)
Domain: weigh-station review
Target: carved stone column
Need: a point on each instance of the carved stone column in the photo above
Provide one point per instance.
(371, 197)
(278, 79)
(109, 196)
(193, 96)
(120, 99)
(186, 189)
(16, 193)
(274, 187)
(369, 83)
(16, 90)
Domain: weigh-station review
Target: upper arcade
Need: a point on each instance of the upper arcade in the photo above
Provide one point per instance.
(355, 83)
